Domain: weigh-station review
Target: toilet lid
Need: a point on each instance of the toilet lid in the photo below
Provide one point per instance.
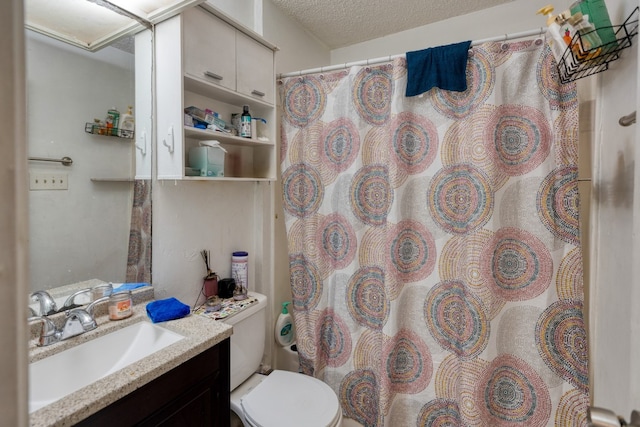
(290, 399)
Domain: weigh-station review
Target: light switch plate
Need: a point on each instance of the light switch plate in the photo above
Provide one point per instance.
(48, 181)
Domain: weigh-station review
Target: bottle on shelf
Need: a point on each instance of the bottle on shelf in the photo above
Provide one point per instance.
(127, 124)
(554, 34)
(589, 42)
(112, 121)
(598, 15)
(245, 122)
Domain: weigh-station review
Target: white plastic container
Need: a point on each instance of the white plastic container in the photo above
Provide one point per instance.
(208, 158)
(284, 327)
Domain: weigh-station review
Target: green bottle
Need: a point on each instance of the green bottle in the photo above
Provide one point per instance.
(599, 17)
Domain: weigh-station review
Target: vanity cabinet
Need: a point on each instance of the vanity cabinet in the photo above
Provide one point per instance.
(196, 393)
(205, 61)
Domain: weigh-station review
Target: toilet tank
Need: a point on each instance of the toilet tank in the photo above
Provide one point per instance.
(247, 340)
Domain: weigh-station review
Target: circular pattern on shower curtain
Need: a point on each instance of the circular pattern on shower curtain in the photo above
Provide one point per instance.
(371, 94)
(516, 265)
(439, 413)
(337, 241)
(302, 189)
(306, 284)
(456, 319)
(333, 339)
(359, 397)
(407, 363)
(513, 394)
(460, 198)
(340, 142)
(572, 409)
(371, 194)
(558, 204)
(480, 82)
(560, 96)
(304, 101)
(415, 142)
(518, 137)
(562, 342)
(412, 251)
(367, 301)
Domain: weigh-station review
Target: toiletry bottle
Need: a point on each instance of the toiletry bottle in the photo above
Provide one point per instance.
(589, 45)
(113, 120)
(554, 35)
(127, 124)
(245, 122)
(284, 327)
(598, 15)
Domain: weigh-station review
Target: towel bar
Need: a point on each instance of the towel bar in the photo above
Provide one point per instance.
(66, 161)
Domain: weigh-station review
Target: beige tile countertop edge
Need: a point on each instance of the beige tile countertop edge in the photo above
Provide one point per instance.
(200, 334)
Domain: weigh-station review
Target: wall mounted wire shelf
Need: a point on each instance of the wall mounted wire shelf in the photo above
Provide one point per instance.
(108, 131)
(576, 64)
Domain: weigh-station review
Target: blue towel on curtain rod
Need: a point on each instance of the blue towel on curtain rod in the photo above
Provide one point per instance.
(443, 67)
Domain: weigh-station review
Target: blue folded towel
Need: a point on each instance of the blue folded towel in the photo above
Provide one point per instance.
(130, 286)
(166, 309)
(444, 67)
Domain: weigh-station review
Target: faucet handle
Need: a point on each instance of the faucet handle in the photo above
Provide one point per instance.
(47, 304)
(84, 318)
(49, 334)
(69, 302)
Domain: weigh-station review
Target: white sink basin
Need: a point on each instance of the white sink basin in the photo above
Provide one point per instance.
(61, 374)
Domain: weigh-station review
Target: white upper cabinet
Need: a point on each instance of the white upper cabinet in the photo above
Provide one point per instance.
(255, 75)
(209, 48)
(208, 61)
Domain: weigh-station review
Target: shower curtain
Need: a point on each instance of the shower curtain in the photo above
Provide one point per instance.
(139, 250)
(434, 243)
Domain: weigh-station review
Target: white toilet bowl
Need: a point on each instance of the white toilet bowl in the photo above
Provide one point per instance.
(286, 399)
(282, 398)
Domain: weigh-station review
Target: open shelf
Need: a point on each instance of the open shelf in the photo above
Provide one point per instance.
(571, 67)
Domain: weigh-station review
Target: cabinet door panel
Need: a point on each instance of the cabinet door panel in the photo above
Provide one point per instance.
(255, 69)
(209, 48)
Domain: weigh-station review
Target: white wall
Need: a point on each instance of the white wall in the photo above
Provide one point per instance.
(517, 16)
(67, 87)
(614, 282)
(247, 12)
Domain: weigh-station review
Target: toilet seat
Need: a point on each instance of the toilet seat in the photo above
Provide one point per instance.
(286, 399)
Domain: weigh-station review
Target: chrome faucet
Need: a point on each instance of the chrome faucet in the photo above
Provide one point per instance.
(78, 322)
(47, 304)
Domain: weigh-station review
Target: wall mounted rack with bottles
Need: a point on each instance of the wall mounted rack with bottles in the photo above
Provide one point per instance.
(575, 65)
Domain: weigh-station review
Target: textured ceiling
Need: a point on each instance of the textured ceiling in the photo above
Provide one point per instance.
(339, 23)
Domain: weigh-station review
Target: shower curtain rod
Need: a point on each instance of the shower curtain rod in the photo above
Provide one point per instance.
(504, 37)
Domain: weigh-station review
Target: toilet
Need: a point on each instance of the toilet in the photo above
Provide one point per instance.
(282, 398)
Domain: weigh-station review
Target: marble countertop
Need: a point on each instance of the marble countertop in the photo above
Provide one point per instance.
(200, 334)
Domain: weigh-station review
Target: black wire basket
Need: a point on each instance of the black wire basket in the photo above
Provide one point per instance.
(578, 63)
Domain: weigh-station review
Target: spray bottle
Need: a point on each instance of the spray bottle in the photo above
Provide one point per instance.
(284, 327)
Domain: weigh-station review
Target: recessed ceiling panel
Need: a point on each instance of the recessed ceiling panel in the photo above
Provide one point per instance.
(85, 24)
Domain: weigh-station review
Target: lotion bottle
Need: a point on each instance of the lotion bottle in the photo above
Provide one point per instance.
(554, 34)
(127, 124)
(284, 327)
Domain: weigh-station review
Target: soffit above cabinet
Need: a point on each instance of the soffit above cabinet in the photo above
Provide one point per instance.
(94, 24)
